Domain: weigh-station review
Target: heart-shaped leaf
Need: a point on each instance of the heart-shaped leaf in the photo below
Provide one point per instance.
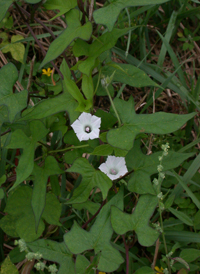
(137, 221)
(98, 238)
(62, 5)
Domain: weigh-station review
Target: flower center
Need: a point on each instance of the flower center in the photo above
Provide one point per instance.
(113, 171)
(88, 129)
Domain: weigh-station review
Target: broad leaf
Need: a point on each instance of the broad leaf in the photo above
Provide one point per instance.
(33, 1)
(91, 178)
(146, 165)
(105, 150)
(3, 115)
(20, 140)
(98, 238)
(108, 15)
(55, 252)
(128, 74)
(89, 205)
(17, 50)
(145, 270)
(41, 175)
(4, 6)
(94, 50)
(137, 221)
(190, 254)
(14, 101)
(45, 108)
(62, 5)
(20, 213)
(82, 264)
(74, 30)
(133, 124)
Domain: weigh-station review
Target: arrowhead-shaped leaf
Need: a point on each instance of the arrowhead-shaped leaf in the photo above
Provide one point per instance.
(62, 5)
(74, 30)
(20, 140)
(20, 213)
(14, 101)
(45, 108)
(109, 14)
(146, 165)
(133, 124)
(137, 221)
(17, 50)
(100, 45)
(98, 238)
(40, 182)
(55, 252)
(91, 178)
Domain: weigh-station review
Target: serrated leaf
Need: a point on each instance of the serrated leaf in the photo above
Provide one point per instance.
(55, 252)
(74, 30)
(100, 45)
(17, 50)
(14, 101)
(127, 74)
(181, 216)
(98, 238)
(190, 254)
(41, 175)
(20, 140)
(8, 267)
(133, 124)
(109, 14)
(137, 221)
(20, 213)
(146, 165)
(62, 5)
(4, 6)
(45, 108)
(91, 178)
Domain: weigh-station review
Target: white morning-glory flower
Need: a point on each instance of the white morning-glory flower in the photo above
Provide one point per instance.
(87, 126)
(114, 167)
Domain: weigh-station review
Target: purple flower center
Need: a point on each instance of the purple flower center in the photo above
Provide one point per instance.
(113, 171)
(88, 129)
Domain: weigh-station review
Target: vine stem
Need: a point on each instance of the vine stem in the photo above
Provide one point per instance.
(67, 148)
(113, 106)
(127, 255)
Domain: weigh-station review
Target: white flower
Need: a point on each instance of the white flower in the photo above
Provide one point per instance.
(114, 167)
(87, 126)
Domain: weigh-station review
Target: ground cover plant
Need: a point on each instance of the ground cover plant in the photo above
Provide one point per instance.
(99, 123)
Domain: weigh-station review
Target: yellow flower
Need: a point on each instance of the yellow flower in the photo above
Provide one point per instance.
(159, 269)
(102, 272)
(47, 72)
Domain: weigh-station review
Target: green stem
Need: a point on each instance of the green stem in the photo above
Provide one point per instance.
(113, 106)
(67, 148)
(164, 241)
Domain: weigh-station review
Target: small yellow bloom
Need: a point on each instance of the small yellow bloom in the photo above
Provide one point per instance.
(159, 269)
(47, 72)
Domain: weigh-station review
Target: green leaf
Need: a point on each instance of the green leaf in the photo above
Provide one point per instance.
(8, 267)
(4, 6)
(61, 5)
(105, 150)
(17, 50)
(40, 182)
(74, 30)
(137, 221)
(107, 119)
(33, 1)
(81, 264)
(14, 101)
(3, 115)
(45, 108)
(146, 165)
(89, 205)
(98, 238)
(20, 140)
(182, 236)
(1, 194)
(91, 178)
(128, 74)
(2, 180)
(133, 124)
(190, 254)
(21, 215)
(182, 271)
(181, 216)
(55, 252)
(109, 14)
(94, 50)
(145, 270)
